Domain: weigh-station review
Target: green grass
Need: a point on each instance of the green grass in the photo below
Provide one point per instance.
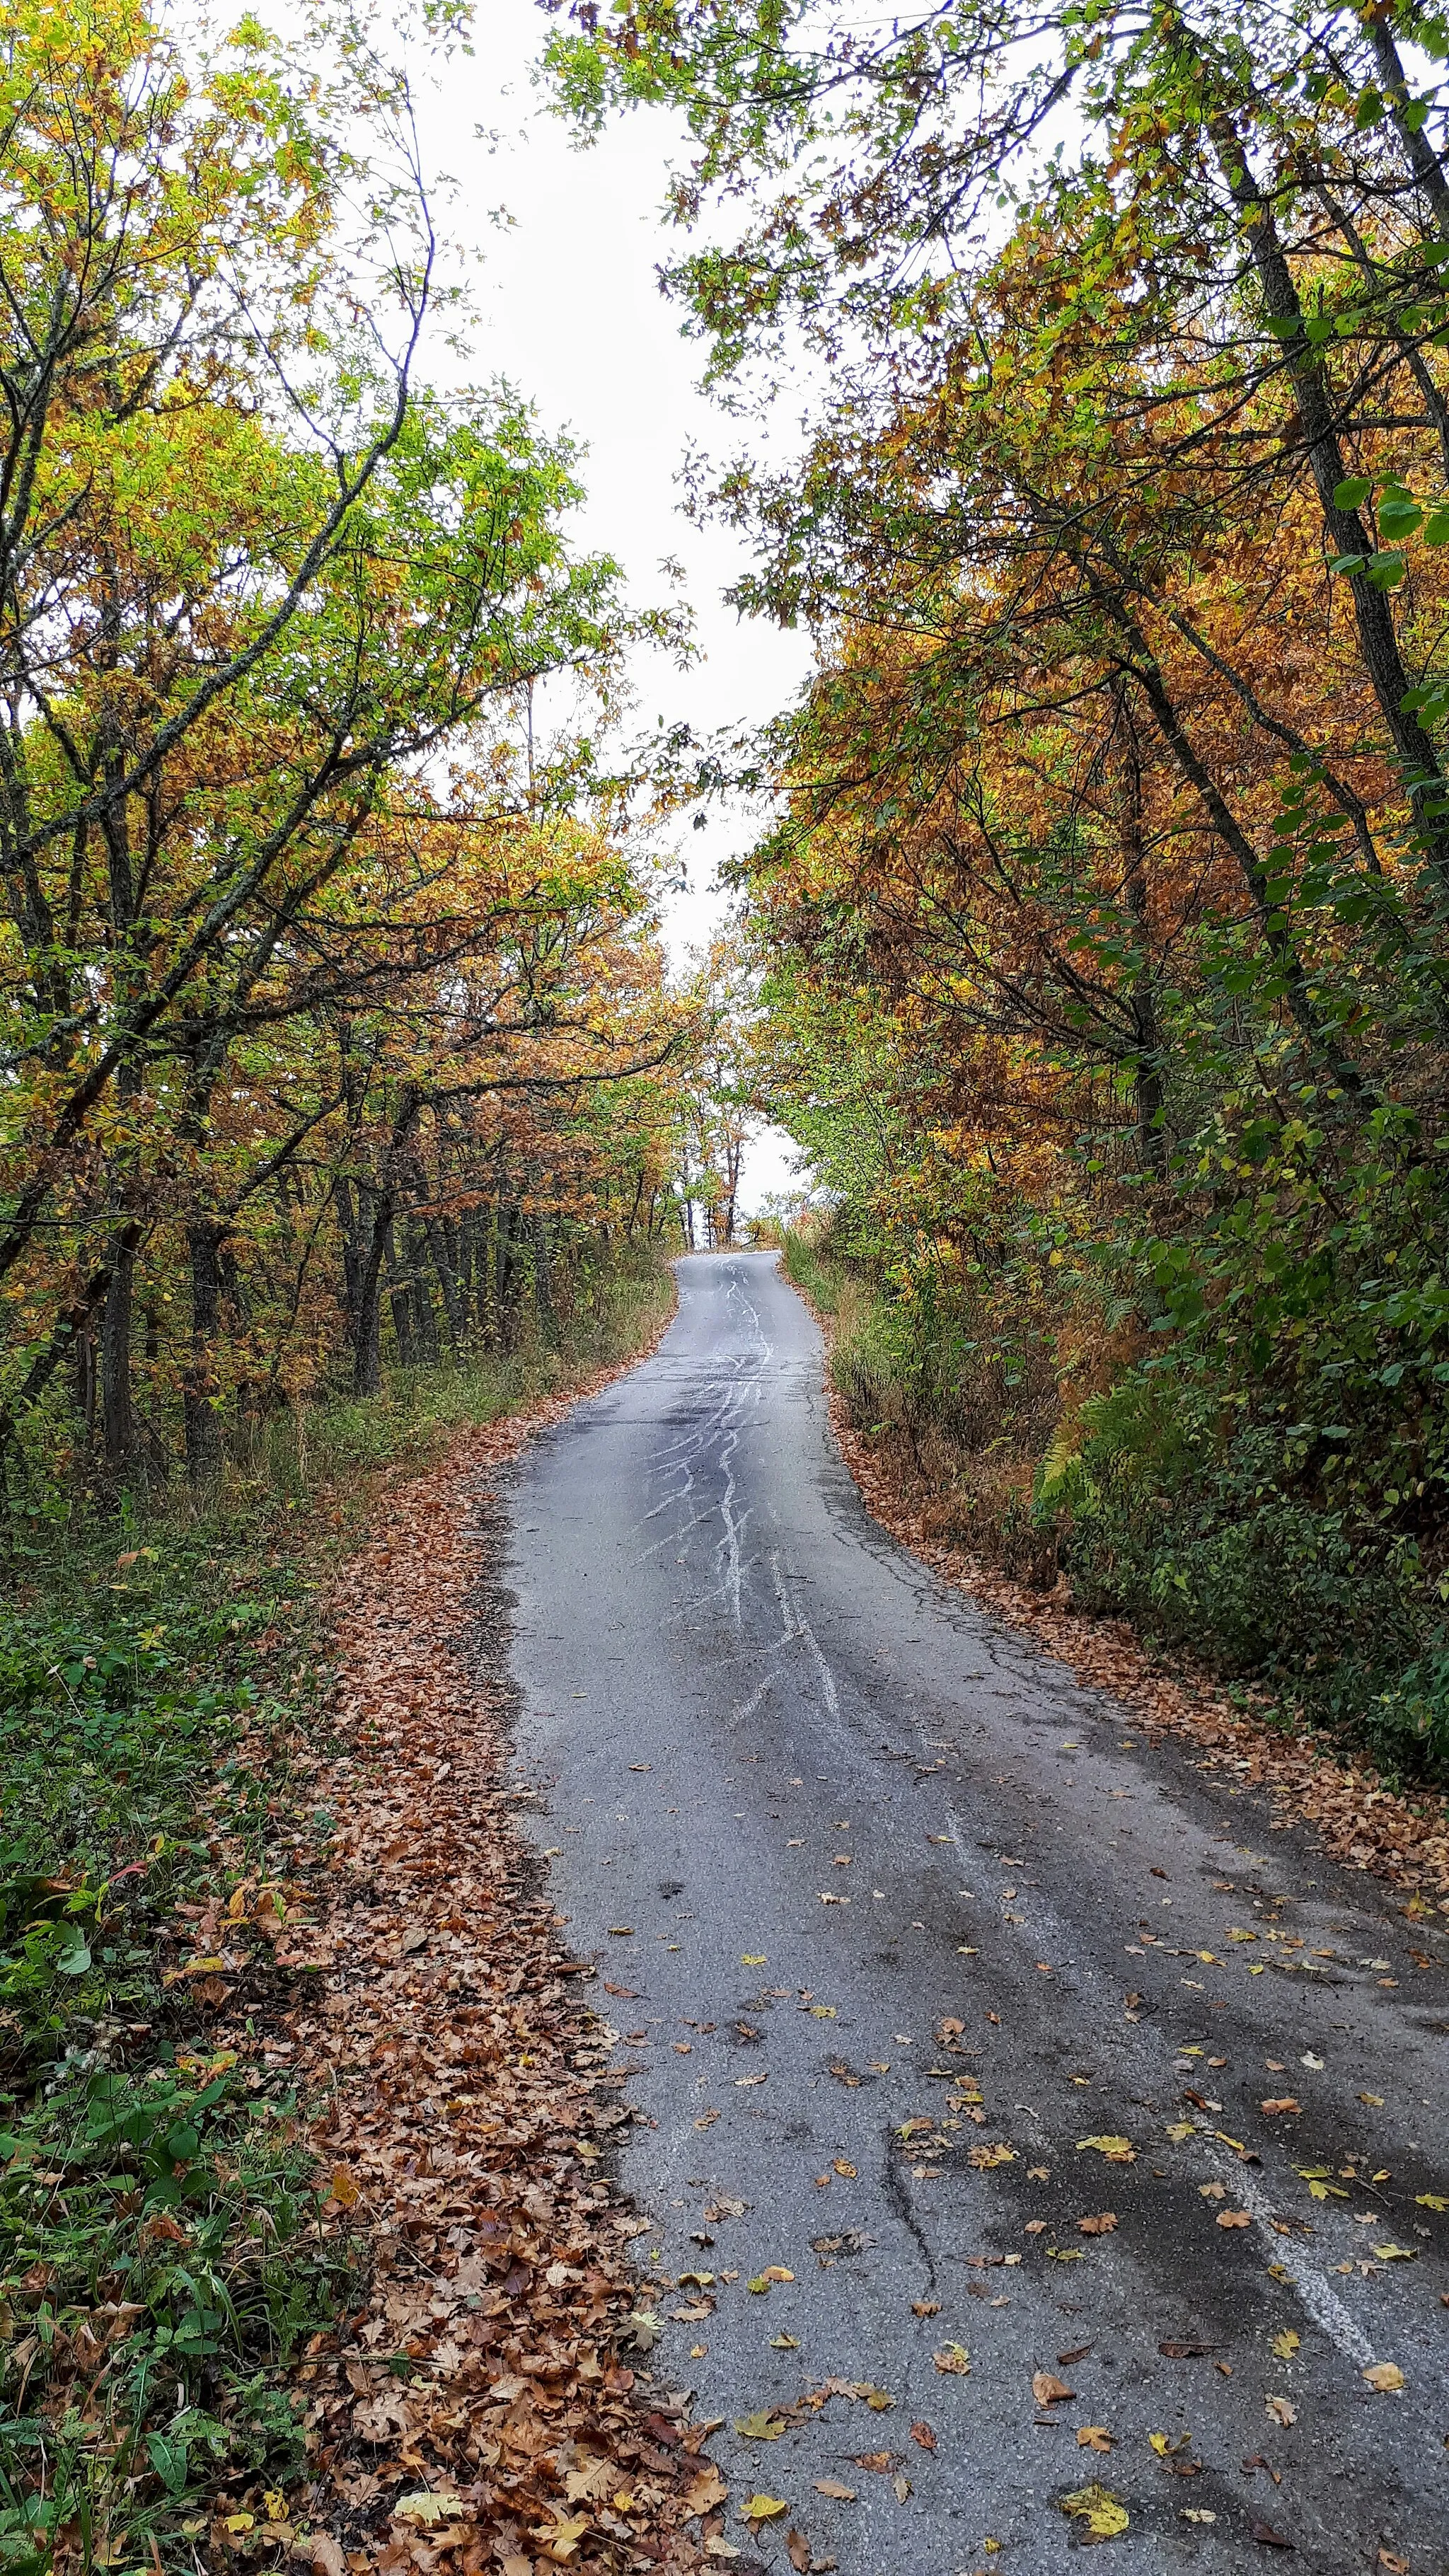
(160, 2260)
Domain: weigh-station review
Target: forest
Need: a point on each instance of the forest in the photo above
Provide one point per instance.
(1102, 927)
(1083, 391)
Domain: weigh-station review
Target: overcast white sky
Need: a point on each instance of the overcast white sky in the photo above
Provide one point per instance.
(570, 312)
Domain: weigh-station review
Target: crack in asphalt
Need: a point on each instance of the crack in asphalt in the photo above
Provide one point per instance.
(776, 1744)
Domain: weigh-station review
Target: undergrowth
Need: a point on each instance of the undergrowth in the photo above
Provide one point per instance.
(160, 2260)
(1260, 1544)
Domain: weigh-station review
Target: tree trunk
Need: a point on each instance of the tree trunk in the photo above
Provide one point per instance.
(366, 1336)
(1147, 1068)
(199, 1414)
(118, 1427)
(1318, 435)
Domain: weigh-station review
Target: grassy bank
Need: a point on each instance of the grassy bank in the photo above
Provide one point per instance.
(160, 1655)
(1072, 1460)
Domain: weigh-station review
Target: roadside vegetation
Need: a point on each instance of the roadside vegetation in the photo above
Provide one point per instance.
(162, 1662)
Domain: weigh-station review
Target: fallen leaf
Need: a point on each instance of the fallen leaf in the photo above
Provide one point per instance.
(1235, 2218)
(1286, 2344)
(747, 1960)
(784, 2343)
(765, 2425)
(833, 2487)
(1431, 2200)
(1282, 2102)
(1118, 2151)
(1396, 2253)
(797, 2550)
(621, 1931)
(1103, 2514)
(925, 2307)
(986, 2159)
(1048, 2390)
(1385, 2376)
(1282, 2410)
(1267, 2537)
(1103, 2225)
(842, 2167)
(1093, 2437)
(902, 2487)
(953, 2359)
(1185, 2351)
(1394, 2566)
(424, 2507)
(1197, 2513)
(923, 2434)
(762, 2508)
(1079, 2352)
(878, 2461)
(1035, 2227)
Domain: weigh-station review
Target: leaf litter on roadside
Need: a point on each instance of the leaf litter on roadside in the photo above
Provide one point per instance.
(429, 2007)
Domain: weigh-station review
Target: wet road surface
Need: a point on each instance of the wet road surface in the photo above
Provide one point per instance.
(922, 1958)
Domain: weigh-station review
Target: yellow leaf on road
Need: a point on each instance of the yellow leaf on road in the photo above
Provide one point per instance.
(953, 2359)
(763, 2508)
(1093, 2437)
(1385, 2376)
(1102, 2513)
(1118, 2151)
(1286, 2344)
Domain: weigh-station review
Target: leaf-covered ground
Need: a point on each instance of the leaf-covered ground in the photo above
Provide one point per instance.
(481, 2407)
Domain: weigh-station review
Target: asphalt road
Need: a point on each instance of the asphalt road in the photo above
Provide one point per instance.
(850, 1855)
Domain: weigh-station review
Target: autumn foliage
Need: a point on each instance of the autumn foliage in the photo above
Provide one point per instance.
(1104, 921)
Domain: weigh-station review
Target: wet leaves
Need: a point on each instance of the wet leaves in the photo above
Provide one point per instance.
(1099, 2511)
(438, 2023)
(1118, 2151)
